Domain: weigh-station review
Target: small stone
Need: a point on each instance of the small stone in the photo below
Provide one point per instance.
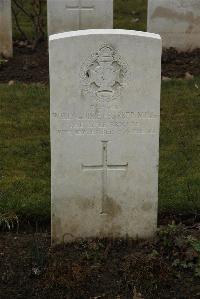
(11, 82)
(22, 43)
(135, 20)
(188, 76)
(36, 271)
(166, 78)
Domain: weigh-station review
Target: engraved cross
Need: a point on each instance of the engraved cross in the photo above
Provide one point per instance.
(104, 167)
(80, 8)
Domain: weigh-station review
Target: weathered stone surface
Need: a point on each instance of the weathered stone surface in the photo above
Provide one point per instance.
(177, 21)
(6, 48)
(68, 15)
(105, 105)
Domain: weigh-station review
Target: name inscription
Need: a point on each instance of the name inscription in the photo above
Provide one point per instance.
(107, 123)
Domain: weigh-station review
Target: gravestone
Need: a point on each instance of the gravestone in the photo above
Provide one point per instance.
(105, 104)
(69, 15)
(177, 21)
(5, 29)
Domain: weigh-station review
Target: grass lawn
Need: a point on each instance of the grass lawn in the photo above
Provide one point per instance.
(25, 149)
(130, 14)
(179, 175)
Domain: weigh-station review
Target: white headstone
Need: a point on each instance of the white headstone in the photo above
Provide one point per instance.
(105, 106)
(69, 15)
(177, 21)
(6, 48)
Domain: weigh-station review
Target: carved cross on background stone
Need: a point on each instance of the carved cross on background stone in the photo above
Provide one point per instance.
(79, 7)
(104, 167)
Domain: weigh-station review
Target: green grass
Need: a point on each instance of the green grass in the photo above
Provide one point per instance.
(130, 14)
(25, 149)
(179, 175)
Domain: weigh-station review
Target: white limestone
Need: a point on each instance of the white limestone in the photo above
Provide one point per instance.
(105, 105)
(6, 48)
(177, 21)
(68, 15)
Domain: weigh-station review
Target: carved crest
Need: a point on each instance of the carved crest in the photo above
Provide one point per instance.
(103, 74)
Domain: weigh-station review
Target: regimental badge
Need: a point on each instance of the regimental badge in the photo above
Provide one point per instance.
(103, 75)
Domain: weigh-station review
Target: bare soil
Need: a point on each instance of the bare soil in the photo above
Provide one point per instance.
(27, 65)
(108, 269)
(177, 64)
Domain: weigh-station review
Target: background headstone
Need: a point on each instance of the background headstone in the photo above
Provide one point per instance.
(6, 48)
(177, 21)
(69, 15)
(105, 105)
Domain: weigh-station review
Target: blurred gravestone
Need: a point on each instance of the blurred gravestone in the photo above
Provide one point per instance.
(177, 21)
(105, 106)
(69, 15)
(6, 48)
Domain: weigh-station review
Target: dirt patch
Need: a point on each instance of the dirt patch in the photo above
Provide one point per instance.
(177, 64)
(29, 65)
(165, 267)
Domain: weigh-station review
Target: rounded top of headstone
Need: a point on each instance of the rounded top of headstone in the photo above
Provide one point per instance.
(104, 32)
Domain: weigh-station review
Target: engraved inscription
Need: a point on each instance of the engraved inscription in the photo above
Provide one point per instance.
(104, 167)
(80, 7)
(107, 123)
(103, 75)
